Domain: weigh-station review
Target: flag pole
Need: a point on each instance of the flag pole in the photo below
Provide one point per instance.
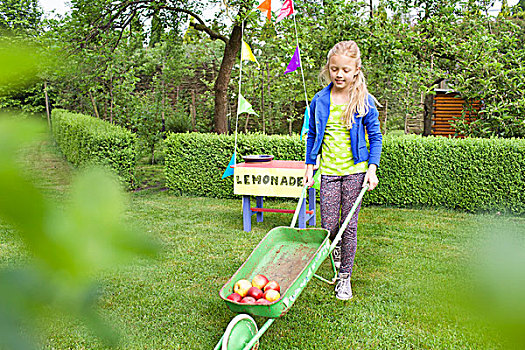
(300, 59)
(302, 73)
(239, 96)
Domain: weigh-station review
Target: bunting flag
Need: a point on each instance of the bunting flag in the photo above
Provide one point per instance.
(266, 6)
(246, 53)
(306, 122)
(229, 169)
(295, 62)
(244, 106)
(286, 10)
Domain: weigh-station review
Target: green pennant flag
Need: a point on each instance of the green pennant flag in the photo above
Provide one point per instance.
(244, 106)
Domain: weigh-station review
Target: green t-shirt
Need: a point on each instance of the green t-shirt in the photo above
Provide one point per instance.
(336, 152)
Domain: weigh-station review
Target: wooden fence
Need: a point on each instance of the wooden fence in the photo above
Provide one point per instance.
(448, 108)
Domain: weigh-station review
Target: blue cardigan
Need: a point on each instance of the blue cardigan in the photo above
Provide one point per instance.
(319, 112)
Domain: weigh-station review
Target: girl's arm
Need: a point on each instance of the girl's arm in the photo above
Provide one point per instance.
(372, 125)
(309, 176)
(310, 139)
(371, 177)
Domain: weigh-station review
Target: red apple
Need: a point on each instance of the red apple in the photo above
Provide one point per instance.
(262, 301)
(248, 300)
(271, 295)
(259, 281)
(272, 285)
(234, 297)
(242, 287)
(255, 292)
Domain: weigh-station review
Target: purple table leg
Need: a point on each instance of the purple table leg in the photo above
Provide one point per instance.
(246, 214)
(259, 204)
(311, 205)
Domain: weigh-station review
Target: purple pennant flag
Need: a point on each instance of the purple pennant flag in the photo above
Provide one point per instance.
(295, 62)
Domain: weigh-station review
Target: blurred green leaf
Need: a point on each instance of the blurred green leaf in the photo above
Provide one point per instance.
(18, 63)
(69, 245)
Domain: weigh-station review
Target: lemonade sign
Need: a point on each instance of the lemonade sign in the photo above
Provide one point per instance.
(269, 181)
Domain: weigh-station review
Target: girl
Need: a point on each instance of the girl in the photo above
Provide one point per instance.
(339, 116)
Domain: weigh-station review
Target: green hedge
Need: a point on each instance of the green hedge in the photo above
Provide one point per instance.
(467, 174)
(195, 162)
(87, 140)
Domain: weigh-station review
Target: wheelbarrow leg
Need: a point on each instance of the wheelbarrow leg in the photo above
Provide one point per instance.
(334, 269)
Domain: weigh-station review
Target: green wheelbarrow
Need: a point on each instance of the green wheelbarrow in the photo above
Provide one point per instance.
(288, 255)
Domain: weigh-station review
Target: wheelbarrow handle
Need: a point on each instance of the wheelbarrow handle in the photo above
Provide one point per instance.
(349, 217)
(298, 207)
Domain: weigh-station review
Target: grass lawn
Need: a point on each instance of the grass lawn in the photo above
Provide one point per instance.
(408, 265)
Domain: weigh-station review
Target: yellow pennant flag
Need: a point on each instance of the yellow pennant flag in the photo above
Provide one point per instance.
(246, 53)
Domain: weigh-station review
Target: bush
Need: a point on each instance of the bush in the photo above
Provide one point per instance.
(195, 162)
(467, 174)
(87, 140)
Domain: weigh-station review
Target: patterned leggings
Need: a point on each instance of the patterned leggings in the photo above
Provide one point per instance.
(338, 194)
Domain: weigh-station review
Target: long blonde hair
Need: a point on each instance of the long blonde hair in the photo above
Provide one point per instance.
(358, 102)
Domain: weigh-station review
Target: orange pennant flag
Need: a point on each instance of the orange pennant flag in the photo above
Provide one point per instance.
(266, 6)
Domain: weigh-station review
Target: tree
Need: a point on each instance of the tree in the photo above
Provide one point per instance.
(20, 16)
(95, 19)
(20, 28)
(403, 58)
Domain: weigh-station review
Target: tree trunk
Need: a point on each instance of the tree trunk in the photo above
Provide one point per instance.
(105, 109)
(47, 105)
(163, 102)
(270, 107)
(290, 120)
(428, 111)
(193, 111)
(386, 117)
(406, 112)
(111, 101)
(95, 109)
(223, 79)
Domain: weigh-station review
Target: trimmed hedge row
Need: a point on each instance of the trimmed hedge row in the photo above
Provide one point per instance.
(466, 174)
(195, 162)
(87, 140)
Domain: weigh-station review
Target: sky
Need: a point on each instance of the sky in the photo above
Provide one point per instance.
(61, 6)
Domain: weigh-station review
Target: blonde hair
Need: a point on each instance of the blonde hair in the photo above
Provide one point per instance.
(358, 102)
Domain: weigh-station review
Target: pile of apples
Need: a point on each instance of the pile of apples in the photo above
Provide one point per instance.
(259, 291)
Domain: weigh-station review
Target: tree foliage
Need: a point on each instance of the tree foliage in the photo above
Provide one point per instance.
(132, 63)
(20, 16)
(68, 245)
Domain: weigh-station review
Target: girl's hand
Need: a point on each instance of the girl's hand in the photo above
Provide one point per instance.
(309, 176)
(371, 177)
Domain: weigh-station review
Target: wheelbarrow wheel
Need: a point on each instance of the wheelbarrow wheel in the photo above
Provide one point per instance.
(241, 329)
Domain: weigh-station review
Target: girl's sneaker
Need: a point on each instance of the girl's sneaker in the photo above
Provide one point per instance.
(336, 254)
(343, 289)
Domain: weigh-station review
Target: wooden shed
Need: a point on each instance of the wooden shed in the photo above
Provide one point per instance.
(447, 108)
